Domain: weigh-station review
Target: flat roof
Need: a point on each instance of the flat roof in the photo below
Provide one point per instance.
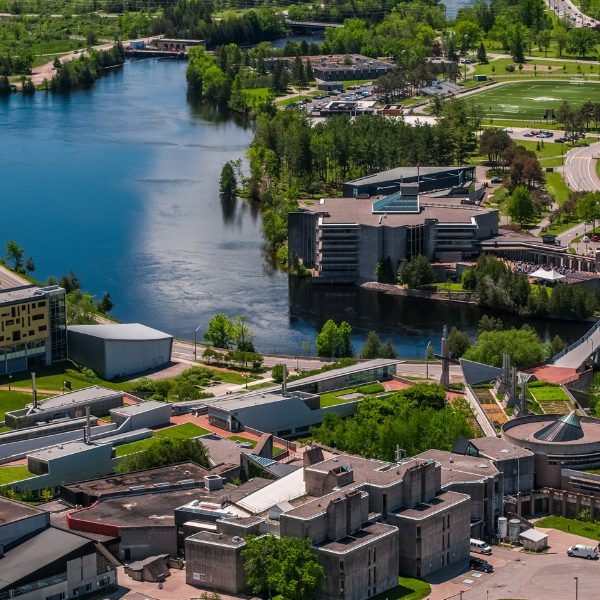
(94, 392)
(171, 474)
(220, 539)
(443, 500)
(66, 449)
(140, 407)
(482, 467)
(224, 450)
(368, 533)
(360, 211)
(525, 429)
(24, 292)
(122, 332)
(147, 509)
(317, 506)
(11, 511)
(499, 449)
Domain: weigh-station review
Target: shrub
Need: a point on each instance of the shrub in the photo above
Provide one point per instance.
(373, 388)
(143, 384)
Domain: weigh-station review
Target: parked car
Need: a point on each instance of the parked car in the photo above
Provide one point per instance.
(594, 238)
(559, 140)
(507, 130)
(75, 51)
(585, 239)
(597, 251)
(480, 546)
(527, 135)
(480, 565)
(583, 551)
(496, 180)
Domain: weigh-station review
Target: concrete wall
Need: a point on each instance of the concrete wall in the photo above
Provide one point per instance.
(87, 350)
(215, 566)
(143, 542)
(363, 571)
(147, 419)
(14, 530)
(512, 473)
(129, 357)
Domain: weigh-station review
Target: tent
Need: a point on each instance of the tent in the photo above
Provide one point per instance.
(547, 275)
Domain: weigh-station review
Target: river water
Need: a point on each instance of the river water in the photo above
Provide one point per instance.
(120, 184)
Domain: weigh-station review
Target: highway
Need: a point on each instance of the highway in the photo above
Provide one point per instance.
(567, 8)
(8, 279)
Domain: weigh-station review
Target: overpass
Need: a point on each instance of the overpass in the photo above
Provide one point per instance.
(311, 24)
(577, 353)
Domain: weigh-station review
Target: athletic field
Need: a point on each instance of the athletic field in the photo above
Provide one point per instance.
(530, 99)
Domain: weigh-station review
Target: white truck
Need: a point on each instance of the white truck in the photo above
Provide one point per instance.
(583, 551)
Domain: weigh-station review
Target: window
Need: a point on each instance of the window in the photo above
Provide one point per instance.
(37, 317)
(448, 539)
(1, 338)
(10, 322)
(18, 321)
(341, 587)
(342, 566)
(442, 559)
(13, 312)
(42, 328)
(418, 532)
(88, 587)
(31, 332)
(41, 304)
(448, 519)
(374, 574)
(33, 305)
(369, 593)
(16, 336)
(448, 558)
(369, 555)
(374, 553)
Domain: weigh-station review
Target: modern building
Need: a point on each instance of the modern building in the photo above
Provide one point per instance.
(149, 414)
(344, 239)
(33, 327)
(452, 180)
(38, 561)
(71, 405)
(332, 68)
(117, 350)
(330, 86)
(292, 412)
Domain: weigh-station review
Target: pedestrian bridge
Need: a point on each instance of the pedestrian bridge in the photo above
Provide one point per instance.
(576, 354)
(312, 24)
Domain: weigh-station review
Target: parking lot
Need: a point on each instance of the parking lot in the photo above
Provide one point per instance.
(517, 574)
(317, 101)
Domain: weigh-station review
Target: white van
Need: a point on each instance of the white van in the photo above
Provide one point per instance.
(583, 551)
(481, 547)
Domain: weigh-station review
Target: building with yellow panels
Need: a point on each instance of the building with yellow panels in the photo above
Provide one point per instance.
(33, 327)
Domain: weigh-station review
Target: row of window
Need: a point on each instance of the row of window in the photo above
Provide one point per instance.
(16, 336)
(15, 311)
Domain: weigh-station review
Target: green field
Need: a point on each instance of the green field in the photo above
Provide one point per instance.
(588, 530)
(182, 432)
(408, 589)
(10, 474)
(239, 438)
(56, 46)
(529, 99)
(550, 394)
(332, 399)
(542, 68)
(16, 400)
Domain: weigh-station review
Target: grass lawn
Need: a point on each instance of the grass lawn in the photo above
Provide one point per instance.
(542, 68)
(227, 377)
(507, 124)
(182, 432)
(10, 474)
(239, 438)
(555, 184)
(589, 233)
(135, 446)
(16, 400)
(55, 46)
(573, 526)
(529, 99)
(332, 399)
(408, 589)
(261, 385)
(550, 394)
(262, 93)
(292, 100)
(52, 377)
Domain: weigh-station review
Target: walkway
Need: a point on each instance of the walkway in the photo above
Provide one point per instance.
(576, 357)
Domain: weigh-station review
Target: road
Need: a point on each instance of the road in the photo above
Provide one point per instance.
(567, 8)
(8, 279)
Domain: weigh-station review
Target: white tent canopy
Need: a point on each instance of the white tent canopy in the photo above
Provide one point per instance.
(547, 275)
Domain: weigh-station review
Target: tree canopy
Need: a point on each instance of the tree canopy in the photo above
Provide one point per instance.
(334, 341)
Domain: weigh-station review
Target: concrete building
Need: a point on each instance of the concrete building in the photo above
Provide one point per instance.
(174, 45)
(292, 413)
(330, 86)
(534, 540)
(149, 414)
(343, 239)
(117, 350)
(70, 405)
(332, 68)
(32, 327)
(18, 520)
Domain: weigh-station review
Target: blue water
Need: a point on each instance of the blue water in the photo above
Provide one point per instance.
(120, 184)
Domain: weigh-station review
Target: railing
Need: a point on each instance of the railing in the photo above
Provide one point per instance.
(580, 341)
(38, 585)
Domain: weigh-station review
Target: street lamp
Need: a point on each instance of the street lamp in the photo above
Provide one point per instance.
(576, 586)
(195, 332)
(427, 360)
(9, 380)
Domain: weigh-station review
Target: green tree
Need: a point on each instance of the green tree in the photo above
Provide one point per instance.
(243, 334)
(298, 74)
(373, 348)
(30, 265)
(310, 76)
(481, 54)
(80, 308)
(588, 208)
(51, 280)
(458, 342)
(306, 346)
(581, 40)
(220, 332)
(260, 557)
(416, 273)
(544, 39)
(13, 252)
(57, 64)
(106, 304)
(47, 495)
(297, 574)
(334, 341)
(520, 206)
(228, 181)
(489, 324)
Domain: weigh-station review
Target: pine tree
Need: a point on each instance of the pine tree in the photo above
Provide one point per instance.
(298, 71)
(481, 55)
(310, 76)
(517, 51)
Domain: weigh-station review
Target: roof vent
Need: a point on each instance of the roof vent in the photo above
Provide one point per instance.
(451, 460)
(505, 451)
(236, 538)
(176, 467)
(334, 459)
(482, 466)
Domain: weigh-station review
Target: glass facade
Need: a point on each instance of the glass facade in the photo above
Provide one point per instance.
(365, 376)
(58, 324)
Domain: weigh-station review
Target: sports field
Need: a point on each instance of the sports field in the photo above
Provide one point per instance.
(525, 100)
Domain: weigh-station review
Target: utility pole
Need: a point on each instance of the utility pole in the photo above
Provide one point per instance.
(195, 332)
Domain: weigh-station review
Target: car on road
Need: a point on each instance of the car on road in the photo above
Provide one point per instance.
(496, 180)
(480, 546)
(75, 51)
(507, 130)
(583, 551)
(597, 251)
(585, 239)
(527, 134)
(480, 565)
(594, 238)
(559, 140)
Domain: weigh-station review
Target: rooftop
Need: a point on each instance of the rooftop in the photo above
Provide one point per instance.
(222, 450)
(94, 392)
(481, 467)
(147, 509)
(316, 506)
(171, 474)
(38, 552)
(365, 535)
(11, 511)
(121, 331)
(140, 407)
(409, 172)
(335, 61)
(24, 292)
(524, 430)
(356, 210)
(66, 449)
(498, 449)
(442, 501)
(222, 539)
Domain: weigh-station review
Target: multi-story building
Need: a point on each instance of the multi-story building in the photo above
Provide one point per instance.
(33, 327)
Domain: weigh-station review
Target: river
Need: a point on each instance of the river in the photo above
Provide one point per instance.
(120, 184)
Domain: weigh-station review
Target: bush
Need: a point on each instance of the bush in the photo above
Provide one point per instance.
(143, 384)
(373, 388)
(199, 372)
(277, 373)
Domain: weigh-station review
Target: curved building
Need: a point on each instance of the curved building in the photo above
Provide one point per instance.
(558, 442)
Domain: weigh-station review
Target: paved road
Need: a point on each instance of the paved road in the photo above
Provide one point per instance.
(567, 8)
(580, 168)
(8, 279)
(577, 356)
